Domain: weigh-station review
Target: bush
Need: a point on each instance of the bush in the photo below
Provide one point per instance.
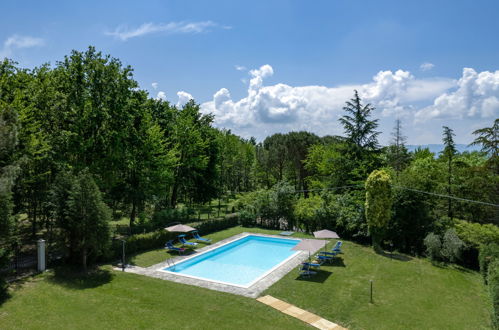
(452, 246)
(488, 254)
(308, 213)
(165, 217)
(247, 219)
(475, 234)
(210, 226)
(493, 279)
(157, 239)
(274, 207)
(433, 246)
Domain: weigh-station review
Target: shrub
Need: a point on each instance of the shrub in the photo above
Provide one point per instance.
(165, 217)
(493, 280)
(156, 239)
(307, 213)
(475, 234)
(488, 254)
(274, 207)
(210, 226)
(433, 246)
(452, 246)
(378, 204)
(247, 219)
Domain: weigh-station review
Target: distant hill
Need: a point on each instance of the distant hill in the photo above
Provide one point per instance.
(436, 148)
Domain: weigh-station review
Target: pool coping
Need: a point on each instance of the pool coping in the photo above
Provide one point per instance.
(253, 291)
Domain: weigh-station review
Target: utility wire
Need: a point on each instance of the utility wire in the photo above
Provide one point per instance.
(447, 196)
(404, 188)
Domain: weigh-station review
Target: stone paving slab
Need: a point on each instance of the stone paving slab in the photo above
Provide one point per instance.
(301, 314)
(253, 291)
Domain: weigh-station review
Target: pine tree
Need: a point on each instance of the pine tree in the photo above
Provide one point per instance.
(449, 153)
(360, 131)
(397, 154)
(488, 138)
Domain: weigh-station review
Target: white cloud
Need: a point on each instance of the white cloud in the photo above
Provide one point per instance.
(476, 95)
(280, 107)
(183, 98)
(161, 96)
(18, 42)
(240, 68)
(124, 33)
(154, 85)
(426, 66)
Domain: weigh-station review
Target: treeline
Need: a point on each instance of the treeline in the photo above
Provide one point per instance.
(309, 182)
(81, 143)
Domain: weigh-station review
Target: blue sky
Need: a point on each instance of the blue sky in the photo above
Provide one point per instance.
(274, 66)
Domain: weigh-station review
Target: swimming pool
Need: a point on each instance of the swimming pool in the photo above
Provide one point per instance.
(241, 262)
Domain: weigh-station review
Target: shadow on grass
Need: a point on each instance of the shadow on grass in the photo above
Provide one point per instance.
(78, 280)
(4, 294)
(337, 262)
(394, 256)
(321, 276)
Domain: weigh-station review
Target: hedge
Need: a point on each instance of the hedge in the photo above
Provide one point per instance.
(157, 239)
(493, 279)
(488, 254)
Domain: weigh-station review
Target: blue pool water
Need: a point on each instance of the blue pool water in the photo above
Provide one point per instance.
(240, 262)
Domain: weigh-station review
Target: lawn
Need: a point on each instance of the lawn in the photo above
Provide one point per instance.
(409, 293)
(115, 300)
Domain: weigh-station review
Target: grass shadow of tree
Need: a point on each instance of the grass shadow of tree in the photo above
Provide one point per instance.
(76, 279)
(394, 256)
(321, 276)
(337, 262)
(4, 294)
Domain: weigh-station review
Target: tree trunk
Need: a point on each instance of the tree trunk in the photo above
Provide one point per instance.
(133, 213)
(84, 259)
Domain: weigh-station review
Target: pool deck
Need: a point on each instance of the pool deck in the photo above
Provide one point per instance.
(252, 292)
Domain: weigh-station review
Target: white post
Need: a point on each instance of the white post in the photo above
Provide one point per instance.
(41, 255)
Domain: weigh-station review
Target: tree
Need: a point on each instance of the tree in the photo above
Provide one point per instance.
(194, 140)
(362, 137)
(360, 130)
(397, 154)
(82, 215)
(448, 153)
(297, 146)
(8, 173)
(488, 138)
(378, 204)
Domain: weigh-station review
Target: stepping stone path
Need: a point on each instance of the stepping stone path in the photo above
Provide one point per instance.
(307, 317)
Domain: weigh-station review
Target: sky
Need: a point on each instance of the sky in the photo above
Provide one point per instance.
(263, 67)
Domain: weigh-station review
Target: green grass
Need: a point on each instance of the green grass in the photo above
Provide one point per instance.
(409, 293)
(115, 300)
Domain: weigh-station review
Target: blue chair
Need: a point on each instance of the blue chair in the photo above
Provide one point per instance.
(182, 240)
(334, 251)
(337, 247)
(325, 258)
(196, 236)
(171, 248)
(305, 270)
(311, 264)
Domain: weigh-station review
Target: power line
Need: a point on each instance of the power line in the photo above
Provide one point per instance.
(405, 188)
(331, 188)
(447, 196)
